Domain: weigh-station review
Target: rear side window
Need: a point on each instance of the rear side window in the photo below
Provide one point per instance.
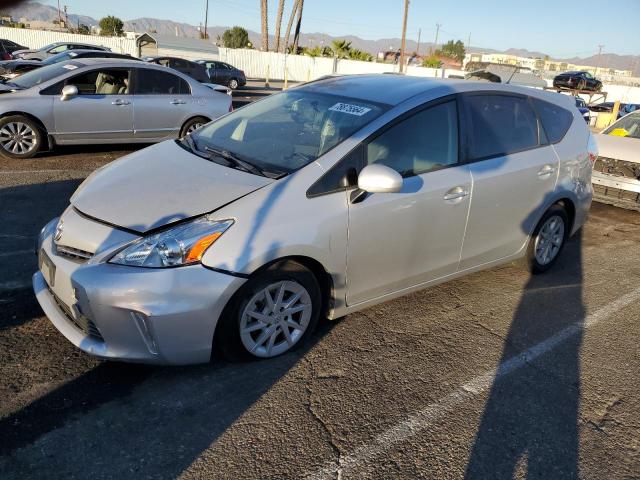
(499, 125)
(555, 120)
(157, 82)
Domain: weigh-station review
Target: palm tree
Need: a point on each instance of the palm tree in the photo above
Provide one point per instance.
(340, 48)
(279, 23)
(296, 36)
(355, 54)
(265, 25)
(290, 24)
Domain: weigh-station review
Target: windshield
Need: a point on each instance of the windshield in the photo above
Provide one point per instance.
(286, 131)
(628, 126)
(60, 57)
(41, 75)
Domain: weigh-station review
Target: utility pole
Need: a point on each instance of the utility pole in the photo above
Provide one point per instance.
(438, 25)
(206, 19)
(59, 16)
(600, 47)
(418, 47)
(66, 18)
(404, 34)
(469, 41)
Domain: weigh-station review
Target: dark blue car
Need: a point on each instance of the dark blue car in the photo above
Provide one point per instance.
(584, 110)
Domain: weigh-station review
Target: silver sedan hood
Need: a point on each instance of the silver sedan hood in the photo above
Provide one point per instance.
(620, 148)
(160, 185)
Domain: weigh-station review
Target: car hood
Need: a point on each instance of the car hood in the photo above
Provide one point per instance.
(160, 185)
(620, 148)
(20, 52)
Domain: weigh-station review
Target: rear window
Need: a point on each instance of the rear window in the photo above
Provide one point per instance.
(499, 125)
(555, 120)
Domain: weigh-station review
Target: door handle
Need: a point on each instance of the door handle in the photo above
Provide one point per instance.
(456, 193)
(177, 102)
(120, 103)
(546, 171)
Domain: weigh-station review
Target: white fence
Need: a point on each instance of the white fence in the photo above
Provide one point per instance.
(40, 38)
(301, 68)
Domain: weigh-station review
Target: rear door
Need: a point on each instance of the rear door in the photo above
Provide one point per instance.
(103, 110)
(163, 103)
(514, 172)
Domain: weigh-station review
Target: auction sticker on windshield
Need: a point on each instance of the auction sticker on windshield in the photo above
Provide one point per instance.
(350, 109)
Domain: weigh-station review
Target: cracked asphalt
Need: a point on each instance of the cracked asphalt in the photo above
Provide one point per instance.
(495, 375)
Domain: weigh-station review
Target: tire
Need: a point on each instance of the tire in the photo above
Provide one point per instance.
(266, 339)
(192, 124)
(547, 237)
(233, 84)
(20, 137)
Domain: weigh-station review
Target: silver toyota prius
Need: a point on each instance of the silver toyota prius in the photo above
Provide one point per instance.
(88, 101)
(315, 202)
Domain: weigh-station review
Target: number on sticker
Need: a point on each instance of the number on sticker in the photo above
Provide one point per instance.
(350, 109)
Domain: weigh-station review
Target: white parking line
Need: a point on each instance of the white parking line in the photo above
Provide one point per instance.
(434, 412)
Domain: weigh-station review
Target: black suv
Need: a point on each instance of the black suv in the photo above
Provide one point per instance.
(577, 81)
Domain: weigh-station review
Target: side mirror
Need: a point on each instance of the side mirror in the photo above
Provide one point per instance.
(68, 92)
(379, 179)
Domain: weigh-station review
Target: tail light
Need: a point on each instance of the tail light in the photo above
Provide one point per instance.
(230, 107)
(7, 56)
(592, 149)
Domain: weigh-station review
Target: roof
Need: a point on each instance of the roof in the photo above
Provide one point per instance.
(393, 89)
(177, 43)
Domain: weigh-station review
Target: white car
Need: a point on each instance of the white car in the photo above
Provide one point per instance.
(616, 173)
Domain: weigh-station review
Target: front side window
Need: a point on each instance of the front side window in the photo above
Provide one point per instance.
(156, 82)
(426, 141)
(102, 82)
(500, 124)
(59, 49)
(176, 63)
(286, 131)
(628, 126)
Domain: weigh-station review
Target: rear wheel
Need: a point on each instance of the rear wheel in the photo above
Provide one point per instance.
(548, 239)
(233, 84)
(20, 137)
(192, 125)
(275, 312)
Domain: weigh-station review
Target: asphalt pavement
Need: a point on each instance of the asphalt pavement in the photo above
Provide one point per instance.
(496, 375)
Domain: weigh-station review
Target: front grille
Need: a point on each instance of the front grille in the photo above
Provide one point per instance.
(617, 168)
(84, 324)
(73, 253)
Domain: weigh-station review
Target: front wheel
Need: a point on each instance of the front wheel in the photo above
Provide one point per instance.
(192, 125)
(20, 137)
(548, 239)
(275, 312)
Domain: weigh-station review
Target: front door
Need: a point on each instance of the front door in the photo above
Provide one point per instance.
(163, 102)
(400, 240)
(514, 171)
(102, 111)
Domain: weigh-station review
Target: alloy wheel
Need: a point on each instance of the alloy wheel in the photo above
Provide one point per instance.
(549, 240)
(275, 319)
(17, 138)
(192, 128)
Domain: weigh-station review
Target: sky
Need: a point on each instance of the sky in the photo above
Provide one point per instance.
(559, 29)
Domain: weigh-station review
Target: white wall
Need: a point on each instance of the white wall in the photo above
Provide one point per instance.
(40, 38)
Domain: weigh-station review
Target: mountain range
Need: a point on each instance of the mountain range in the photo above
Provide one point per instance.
(33, 10)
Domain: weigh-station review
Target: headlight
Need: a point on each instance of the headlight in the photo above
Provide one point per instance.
(183, 244)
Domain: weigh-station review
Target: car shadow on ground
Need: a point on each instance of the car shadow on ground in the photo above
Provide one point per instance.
(529, 427)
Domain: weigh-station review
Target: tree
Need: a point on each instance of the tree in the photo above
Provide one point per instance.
(317, 51)
(340, 48)
(236, 37)
(452, 49)
(265, 25)
(355, 54)
(111, 26)
(83, 29)
(432, 62)
(279, 23)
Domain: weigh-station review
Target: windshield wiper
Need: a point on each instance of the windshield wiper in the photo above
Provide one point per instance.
(242, 164)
